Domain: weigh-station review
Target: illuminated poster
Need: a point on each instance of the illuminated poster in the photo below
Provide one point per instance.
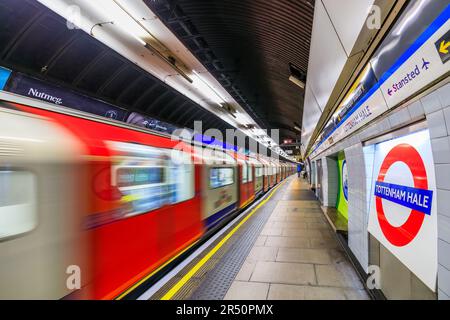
(36, 89)
(4, 76)
(342, 199)
(150, 123)
(403, 214)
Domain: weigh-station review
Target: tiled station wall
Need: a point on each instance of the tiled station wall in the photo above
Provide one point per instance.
(330, 181)
(435, 107)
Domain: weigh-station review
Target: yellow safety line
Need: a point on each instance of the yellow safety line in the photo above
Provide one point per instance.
(191, 273)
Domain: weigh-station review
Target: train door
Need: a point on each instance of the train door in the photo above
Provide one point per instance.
(273, 175)
(220, 186)
(258, 176)
(144, 219)
(41, 207)
(265, 177)
(246, 183)
(250, 182)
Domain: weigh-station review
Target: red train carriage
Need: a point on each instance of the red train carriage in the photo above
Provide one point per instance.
(265, 171)
(220, 185)
(134, 198)
(258, 176)
(143, 208)
(246, 180)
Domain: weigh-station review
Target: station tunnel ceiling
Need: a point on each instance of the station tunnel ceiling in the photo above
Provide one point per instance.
(248, 46)
(36, 41)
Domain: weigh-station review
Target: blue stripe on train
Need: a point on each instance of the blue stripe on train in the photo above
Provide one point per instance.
(211, 221)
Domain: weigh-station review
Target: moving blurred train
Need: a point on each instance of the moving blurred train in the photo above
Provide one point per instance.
(82, 195)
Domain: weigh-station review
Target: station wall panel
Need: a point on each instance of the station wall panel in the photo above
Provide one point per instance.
(348, 23)
(311, 115)
(335, 31)
(358, 207)
(434, 107)
(330, 184)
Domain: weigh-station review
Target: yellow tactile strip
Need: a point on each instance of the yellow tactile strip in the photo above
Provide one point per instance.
(192, 276)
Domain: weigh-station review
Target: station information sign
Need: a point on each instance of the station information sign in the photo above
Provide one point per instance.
(403, 213)
(426, 60)
(428, 63)
(36, 89)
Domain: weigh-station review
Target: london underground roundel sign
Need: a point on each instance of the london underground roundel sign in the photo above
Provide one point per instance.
(403, 215)
(418, 198)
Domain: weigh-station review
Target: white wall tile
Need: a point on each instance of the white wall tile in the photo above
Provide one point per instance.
(442, 295)
(444, 228)
(436, 124)
(441, 149)
(447, 118)
(444, 95)
(416, 110)
(399, 117)
(442, 176)
(431, 103)
(444, 280)
(443, 202)
(444, 253)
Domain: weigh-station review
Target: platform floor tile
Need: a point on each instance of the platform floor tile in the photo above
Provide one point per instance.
(297, 256)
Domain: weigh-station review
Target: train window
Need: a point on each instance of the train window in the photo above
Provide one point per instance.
(258, 171)
(220, 177)
(140, 174)
(181, 177)
(244, 172)
(136, 176)
(18, 210)
(250, 173)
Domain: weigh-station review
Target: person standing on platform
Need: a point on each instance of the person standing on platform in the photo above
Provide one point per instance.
(299, 169)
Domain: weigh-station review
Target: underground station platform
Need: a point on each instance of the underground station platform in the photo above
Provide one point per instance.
(255, 157)
(282, 247)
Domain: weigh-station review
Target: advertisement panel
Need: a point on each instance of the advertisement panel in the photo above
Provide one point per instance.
(403, 213)
(150, 123)
(36, 89)
(342, 199)
(4, 76)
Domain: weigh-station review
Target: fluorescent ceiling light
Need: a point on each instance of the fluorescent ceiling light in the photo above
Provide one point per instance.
(207, 89)
(301, 84)
(117, 13)
(142, 42)
(128, 27)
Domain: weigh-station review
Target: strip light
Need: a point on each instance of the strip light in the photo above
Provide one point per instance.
(147, 45)
(204, 86)
(123, 14)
